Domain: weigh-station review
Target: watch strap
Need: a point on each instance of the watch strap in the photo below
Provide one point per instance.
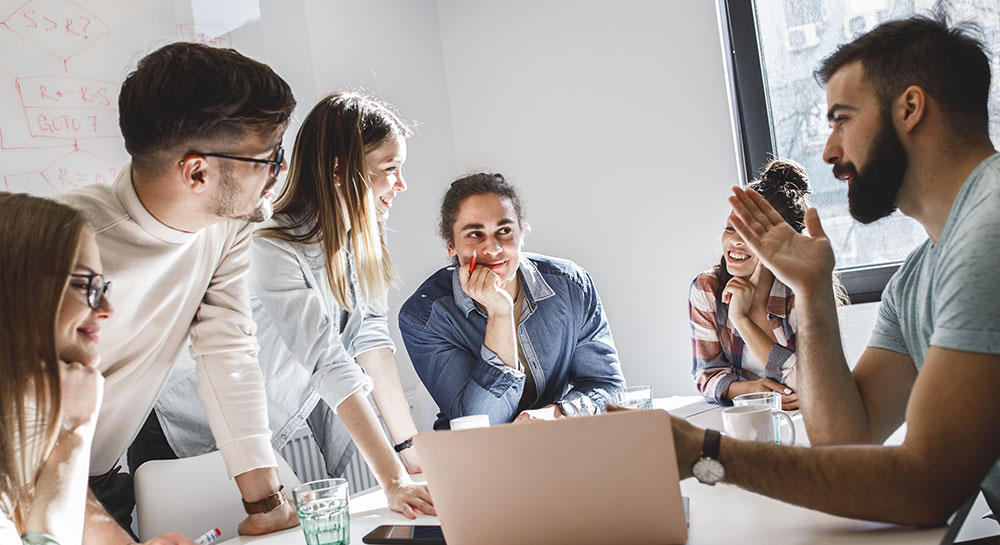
(568, 409)
(267, 504)
(710, 447)
(403, 446)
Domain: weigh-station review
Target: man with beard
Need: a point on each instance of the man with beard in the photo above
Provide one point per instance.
(204, 128)
(908, 107)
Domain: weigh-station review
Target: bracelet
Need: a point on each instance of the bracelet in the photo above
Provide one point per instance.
(403, 446)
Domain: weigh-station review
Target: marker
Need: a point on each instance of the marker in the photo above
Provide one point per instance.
(472, 264)
(209, 537)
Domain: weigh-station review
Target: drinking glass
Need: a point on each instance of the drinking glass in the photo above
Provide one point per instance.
(635, 397)
(323, 511)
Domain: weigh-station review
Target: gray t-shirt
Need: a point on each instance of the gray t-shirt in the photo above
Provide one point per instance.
(945, 294)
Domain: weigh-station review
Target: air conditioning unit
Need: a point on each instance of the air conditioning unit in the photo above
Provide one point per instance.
(801, 37)
(859, 23)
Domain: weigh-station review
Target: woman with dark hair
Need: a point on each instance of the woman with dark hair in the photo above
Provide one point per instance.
(319, 278)
(511, 335)
(55, 299)
(743, 319)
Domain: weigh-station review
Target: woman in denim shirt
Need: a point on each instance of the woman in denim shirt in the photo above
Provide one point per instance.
(319, 276)
(520, 337)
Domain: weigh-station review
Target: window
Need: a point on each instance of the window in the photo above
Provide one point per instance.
(775, 45)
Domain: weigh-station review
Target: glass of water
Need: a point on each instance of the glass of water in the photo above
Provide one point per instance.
(635, 397)
(323, 511)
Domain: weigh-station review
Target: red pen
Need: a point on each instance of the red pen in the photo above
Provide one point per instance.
(472, 264)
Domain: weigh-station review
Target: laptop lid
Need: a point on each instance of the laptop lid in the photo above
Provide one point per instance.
(601, 479)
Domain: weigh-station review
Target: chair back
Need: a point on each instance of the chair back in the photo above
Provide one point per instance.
(193, 495)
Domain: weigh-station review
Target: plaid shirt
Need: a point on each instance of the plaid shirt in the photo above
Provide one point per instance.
(718, 347)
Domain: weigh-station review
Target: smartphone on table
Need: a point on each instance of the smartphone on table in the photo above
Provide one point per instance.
(400, 534)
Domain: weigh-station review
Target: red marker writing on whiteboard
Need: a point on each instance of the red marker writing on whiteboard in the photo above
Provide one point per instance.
(472, 264)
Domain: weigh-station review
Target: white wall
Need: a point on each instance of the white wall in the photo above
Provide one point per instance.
(612, 118)
(392, 50)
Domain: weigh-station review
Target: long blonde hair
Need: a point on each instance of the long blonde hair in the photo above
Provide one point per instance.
(343, 127)
(39, 245)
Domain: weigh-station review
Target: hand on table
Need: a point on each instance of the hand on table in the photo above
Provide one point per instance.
(410, 499)
(484, 286)
(281, 517)
(789, 398)
(548, 412)
(801, 261)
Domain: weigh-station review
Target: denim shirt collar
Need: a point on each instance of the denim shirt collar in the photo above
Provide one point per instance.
(536, 288)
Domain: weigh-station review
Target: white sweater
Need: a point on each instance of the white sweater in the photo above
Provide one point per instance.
(167, 285)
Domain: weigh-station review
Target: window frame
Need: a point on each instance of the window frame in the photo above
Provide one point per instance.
(754, 136)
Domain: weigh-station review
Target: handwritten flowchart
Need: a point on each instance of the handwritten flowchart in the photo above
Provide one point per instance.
(64, 112)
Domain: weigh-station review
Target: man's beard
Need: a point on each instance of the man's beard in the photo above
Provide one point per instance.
(227, 205)
(871, 195)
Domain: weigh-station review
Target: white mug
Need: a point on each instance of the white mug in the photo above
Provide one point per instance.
(470, 422)
(754, 423)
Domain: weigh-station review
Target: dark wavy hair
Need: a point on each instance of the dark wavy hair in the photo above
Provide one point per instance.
(186, 92)
(785, 184)
(948, 62)
(480, 183)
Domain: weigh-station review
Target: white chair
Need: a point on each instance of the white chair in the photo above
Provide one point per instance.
(193, 495)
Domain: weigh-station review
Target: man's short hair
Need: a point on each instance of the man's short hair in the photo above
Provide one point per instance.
(186, 91)
(948, 62)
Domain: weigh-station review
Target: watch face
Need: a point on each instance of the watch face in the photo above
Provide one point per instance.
(708, 470)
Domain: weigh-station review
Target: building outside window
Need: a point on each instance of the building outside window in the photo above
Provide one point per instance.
(781, 109)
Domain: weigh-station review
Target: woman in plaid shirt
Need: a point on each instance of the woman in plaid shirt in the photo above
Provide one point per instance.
(743, 318)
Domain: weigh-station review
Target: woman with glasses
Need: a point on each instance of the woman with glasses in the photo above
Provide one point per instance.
(319, 277)
(55, 301)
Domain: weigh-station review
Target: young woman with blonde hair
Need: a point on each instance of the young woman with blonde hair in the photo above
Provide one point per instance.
(55, 301)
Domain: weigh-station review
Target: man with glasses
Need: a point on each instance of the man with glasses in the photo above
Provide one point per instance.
(204, 128)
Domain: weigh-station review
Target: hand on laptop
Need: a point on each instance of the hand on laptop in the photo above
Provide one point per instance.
(548, 412)
(410, 499)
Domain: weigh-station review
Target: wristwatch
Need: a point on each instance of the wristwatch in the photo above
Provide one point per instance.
(265, 505)
(568, 409)
(708, 469)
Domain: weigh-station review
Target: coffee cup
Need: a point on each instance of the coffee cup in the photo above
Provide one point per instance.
(469, 422)
(755, 423)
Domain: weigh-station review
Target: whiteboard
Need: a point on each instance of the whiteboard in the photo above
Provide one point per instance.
(63, 62)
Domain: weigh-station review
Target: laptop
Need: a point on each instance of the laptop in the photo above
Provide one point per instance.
(609, 478)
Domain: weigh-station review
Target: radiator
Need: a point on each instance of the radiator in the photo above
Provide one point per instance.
(306, 460)
(302, 453)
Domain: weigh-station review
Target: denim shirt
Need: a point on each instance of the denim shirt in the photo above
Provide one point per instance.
(563, 332)
(308, 346)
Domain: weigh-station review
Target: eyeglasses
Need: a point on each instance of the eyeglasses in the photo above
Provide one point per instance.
(97, 288)
(275, 163)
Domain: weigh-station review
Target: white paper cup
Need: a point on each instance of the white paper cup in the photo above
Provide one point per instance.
(470, 422)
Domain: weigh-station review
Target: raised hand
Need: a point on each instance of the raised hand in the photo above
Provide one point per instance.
(804, 262)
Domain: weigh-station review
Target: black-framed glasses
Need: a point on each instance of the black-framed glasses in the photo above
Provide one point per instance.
(275, 163)
(97, 288)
